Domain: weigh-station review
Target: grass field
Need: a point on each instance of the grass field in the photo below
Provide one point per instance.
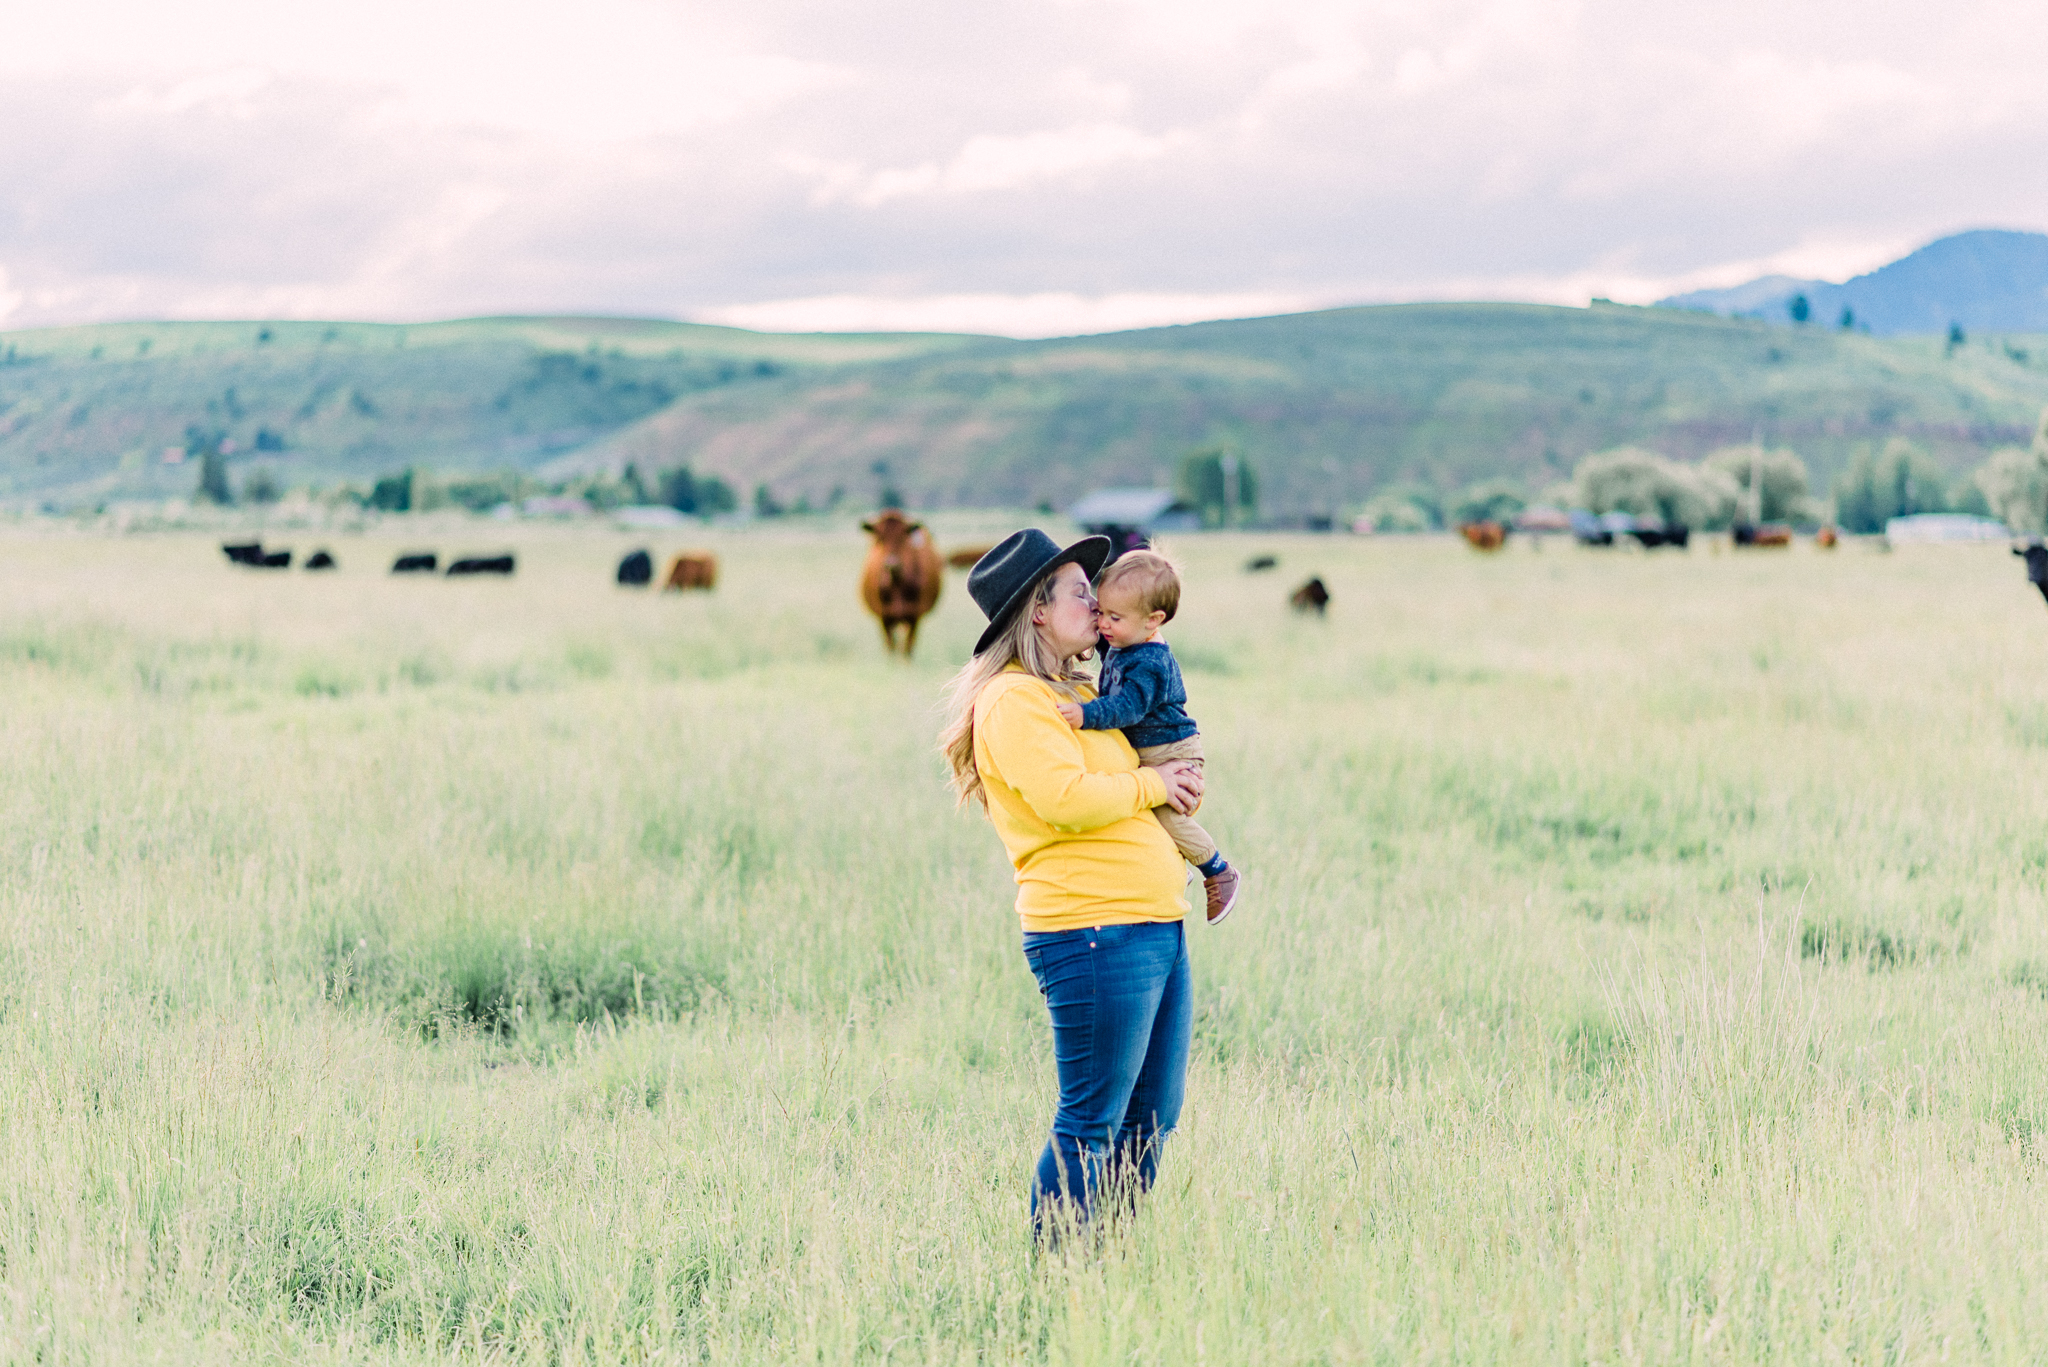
(1644, 961)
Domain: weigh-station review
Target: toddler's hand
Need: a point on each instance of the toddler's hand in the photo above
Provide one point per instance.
(1071, 713)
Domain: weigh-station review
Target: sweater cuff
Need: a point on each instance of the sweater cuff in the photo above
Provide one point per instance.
(1151, 787)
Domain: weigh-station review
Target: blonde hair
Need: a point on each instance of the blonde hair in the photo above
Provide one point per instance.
(1019, 643)
(1152, 575)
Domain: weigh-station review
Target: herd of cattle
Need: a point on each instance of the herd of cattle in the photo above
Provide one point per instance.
(252, 554)
(1608, 529)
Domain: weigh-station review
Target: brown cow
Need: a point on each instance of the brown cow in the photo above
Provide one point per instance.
(967, 557)
(1483, 536)
(902, 577)
(692, 570)
(1826, 538)
(1768, 535)
(1311, 597)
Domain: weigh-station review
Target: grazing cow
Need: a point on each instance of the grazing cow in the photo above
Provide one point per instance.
(692, 570)
(322, 560)
(1770, 534)
(481, 564)
(967, 557)
(901, 580)
(244, 552)
(274, 560)
(1826, 538)
(415, 562)
(637, 569)
(1653, 537)
(1483, 536)
(2036, 556)
(1311, 597)
(1261, 562)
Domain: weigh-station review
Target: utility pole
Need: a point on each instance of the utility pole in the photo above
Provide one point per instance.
(1230, 489)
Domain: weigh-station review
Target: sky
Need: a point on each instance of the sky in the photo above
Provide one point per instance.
(1027, 167)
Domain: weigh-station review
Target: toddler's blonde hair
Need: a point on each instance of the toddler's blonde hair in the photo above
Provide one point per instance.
(1150, 575)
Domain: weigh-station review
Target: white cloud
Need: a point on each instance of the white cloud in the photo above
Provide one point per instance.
(1021, 166)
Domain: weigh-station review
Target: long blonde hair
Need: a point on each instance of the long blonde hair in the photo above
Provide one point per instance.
(1019, 643)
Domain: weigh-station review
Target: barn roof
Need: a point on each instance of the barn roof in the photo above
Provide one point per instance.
(1123, 507)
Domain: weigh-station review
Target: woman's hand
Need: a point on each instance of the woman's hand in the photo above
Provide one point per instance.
(1183, 785)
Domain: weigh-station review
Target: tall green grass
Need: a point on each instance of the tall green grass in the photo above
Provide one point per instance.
(1644, 961)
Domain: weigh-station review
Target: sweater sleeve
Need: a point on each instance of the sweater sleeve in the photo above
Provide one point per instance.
(1137, 693)
(1039, 755)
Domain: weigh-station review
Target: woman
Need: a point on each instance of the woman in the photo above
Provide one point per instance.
(1098, 881)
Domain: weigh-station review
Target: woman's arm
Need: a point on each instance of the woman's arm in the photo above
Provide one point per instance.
(1039, 755)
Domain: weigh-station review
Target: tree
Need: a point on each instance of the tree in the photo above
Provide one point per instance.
(765, 504)
(1848, 323)
(1218, 484)
(213, 478)
(1956, 338)
(2015, 483)
(1800, 310)
(704, 495)
(393, 493)
(1494, 500)
(1645, 484)
(1899, 481)
(1403, 508)
(260, 486)
(1786, 487)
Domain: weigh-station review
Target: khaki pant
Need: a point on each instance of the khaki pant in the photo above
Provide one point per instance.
(1188, 836)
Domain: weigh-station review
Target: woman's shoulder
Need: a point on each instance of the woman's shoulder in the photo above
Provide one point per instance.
(1010, 682)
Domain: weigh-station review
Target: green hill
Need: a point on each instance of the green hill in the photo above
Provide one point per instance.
(1327, 406)
(1330, 406)
(89, 412)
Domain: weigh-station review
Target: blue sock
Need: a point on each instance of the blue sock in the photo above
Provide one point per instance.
(1213, 867)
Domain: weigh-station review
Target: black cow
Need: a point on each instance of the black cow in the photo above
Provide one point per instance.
(2036, 556)
(414, 562)
(1653, 537)
(1311, 597)
(482, 564)
(637, 569)
(275, 560)
(244, 552)
(1261, 562)
(321, 560)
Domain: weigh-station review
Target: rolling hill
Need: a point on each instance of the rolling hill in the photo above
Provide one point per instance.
(1328, 406)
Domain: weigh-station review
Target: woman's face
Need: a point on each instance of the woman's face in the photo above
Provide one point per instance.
(1068, 622)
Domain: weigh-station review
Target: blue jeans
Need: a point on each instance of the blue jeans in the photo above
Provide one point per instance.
(1122, 1011)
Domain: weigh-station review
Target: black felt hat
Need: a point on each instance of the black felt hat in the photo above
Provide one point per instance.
(1001, 580)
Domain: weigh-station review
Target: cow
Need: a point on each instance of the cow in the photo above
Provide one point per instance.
(1483, 536)
(322, 560)
(2036, 556)
(692, 570)
(967, 557)
(901, 580)
(481, 564)
(1261, 562)
(1311, 597)
(1826, 538)
(415, 562)
(637, 569)
(1653, 537)
(244, 552)
(274, 560)
(1768, 535)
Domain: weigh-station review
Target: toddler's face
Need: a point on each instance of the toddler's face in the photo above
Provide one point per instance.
(1122, 622)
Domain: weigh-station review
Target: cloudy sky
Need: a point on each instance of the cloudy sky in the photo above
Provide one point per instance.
(1020, 166)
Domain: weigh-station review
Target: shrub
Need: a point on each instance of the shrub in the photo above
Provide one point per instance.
(1899, 481)
(1631, 480)
(1786, 489)
(1494, 500)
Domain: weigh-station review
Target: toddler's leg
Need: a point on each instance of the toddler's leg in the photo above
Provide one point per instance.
(1189, 838)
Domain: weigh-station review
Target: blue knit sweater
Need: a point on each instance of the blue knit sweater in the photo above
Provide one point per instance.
(1142, 695)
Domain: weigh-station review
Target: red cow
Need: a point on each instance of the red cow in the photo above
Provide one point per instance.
(901, 580)
(1483, 536)
(692, 570)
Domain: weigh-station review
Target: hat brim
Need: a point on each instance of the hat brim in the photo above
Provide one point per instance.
(1091, 553)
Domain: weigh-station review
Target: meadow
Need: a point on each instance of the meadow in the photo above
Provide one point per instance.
(1644, 961)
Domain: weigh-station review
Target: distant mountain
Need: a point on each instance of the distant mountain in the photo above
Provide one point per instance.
(1985, 281)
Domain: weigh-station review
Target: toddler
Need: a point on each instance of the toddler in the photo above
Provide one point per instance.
(1142, 695)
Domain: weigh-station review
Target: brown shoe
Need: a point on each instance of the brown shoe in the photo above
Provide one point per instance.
(1222, 890)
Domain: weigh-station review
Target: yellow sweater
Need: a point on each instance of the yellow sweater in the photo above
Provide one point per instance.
(1074, 810)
